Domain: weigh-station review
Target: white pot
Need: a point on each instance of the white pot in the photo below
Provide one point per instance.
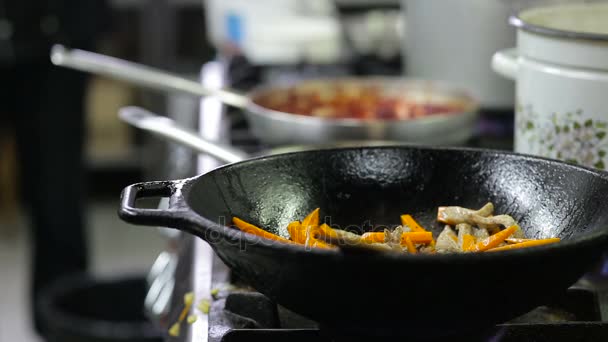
(560, 67)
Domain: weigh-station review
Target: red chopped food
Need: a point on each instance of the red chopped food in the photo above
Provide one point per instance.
(347, 101)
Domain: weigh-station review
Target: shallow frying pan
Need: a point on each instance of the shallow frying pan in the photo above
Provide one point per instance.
(280, 128)
(381, 293)
(168, 129)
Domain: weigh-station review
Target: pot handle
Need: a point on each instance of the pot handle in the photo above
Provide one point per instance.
(505, 63)
(129, 211)
(140, 74)
(165, 127)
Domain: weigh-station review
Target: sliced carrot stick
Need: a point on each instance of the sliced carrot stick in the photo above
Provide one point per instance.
(493, 240)
(327, 232)
(408, 220)
(251, 229)
(311, 220)
(468, 240)
(514, 240)
(312, 234)
(310, 229)
(410, 246)
(316, 243)
(416, 237)
(296, 233)
(525, 244)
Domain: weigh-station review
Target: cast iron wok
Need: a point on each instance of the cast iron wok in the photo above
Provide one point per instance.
(385, 293)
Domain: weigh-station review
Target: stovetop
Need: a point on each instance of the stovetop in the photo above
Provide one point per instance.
(238, 313)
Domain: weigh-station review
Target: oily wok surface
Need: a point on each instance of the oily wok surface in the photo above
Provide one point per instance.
(367, 189)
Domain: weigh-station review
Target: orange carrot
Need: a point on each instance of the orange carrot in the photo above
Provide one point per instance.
(525, 244)
(296, 233)
(310, 230)
(251, 229)
(468, 240)
(311, 220)
(316, 243)
(514, 240)
(415, 237)
(493, 240)
(410, 246)
(408, 220)
(312, 236)
(327, 232)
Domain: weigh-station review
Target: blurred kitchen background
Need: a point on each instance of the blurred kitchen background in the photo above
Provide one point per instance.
(241, 43)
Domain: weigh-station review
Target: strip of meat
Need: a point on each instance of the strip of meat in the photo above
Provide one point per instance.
(456, 215)
(447, 241)
(480, 233)
(416, 237)
(348, 240)
(492, 221)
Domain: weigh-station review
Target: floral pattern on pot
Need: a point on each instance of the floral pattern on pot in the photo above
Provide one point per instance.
(573, 136)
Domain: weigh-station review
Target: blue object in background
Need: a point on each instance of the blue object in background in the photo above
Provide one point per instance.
(234, 28)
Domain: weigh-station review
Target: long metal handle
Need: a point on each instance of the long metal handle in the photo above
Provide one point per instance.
(139, 74)
(168, 129)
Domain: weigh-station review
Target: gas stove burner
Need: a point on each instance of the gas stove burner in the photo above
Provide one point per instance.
(245, 315)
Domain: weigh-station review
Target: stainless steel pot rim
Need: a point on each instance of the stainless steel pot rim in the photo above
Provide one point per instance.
(471, 105)
(520, 23)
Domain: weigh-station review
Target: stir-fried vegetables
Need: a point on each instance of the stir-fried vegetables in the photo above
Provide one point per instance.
(492, 241)
(465, 231)
(529, 243)
(251, 229)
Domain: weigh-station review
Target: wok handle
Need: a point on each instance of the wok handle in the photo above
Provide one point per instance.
(139, 74)
(129, 211)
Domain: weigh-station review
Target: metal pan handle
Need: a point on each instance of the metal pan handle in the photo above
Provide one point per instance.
(129, 211)
(139, 74)
(166, 128)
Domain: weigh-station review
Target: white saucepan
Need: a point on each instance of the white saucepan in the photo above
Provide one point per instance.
(560, 67)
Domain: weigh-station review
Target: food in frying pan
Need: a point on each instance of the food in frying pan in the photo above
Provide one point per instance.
(354, 101)
(465, 231)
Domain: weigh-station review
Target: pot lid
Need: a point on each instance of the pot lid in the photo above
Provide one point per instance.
(576, 21)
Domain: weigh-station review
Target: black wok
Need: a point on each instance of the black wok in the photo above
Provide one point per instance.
(382, 293)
